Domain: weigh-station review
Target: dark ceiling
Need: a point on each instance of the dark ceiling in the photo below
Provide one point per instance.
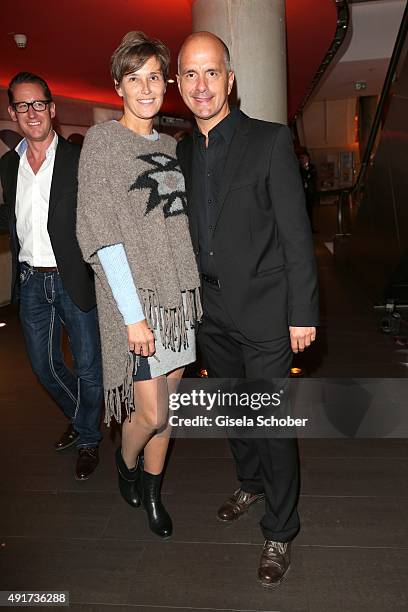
(70, 42)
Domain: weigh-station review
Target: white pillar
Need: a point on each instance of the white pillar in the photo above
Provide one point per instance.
(255, 33)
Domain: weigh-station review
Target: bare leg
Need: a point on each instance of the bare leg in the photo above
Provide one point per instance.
(151, 401)
(148, 429)
(156, 449)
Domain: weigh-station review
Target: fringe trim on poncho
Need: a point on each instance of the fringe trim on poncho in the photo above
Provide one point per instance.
(172, 325)
(171, 322)
(121, 397)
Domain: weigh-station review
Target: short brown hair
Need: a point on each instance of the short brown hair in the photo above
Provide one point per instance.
(134, 51)
(28, 77)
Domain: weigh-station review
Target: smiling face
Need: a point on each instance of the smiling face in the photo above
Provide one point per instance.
(142, 92)
(36, 126)
(204, 81)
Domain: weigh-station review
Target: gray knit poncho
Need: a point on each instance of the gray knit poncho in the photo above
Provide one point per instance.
(131, 191)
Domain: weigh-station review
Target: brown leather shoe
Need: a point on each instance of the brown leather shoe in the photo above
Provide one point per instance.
(237, 505)
(275, 562)
(67, 439)
(86, 463)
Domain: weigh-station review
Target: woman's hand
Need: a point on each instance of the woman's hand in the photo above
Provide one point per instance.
(141, 339)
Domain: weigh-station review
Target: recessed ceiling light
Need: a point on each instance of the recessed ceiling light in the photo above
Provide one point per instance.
(171, 81)
(358, 85)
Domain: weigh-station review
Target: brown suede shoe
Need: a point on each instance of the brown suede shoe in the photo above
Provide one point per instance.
(237, 505)
(86, 463)
(275, 562)
(67, 439)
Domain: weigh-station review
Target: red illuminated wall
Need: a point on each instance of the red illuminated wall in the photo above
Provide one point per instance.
(310, 29)
(70, 42)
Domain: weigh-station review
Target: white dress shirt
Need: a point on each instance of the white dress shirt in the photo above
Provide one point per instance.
(32, 204)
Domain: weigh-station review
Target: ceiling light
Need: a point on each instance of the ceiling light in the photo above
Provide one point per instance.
(171, 81)
(20, 40)
(360, 85)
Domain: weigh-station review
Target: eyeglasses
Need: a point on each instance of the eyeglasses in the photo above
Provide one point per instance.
(38, 105)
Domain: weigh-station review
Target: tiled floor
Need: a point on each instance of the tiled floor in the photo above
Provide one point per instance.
(58, 534)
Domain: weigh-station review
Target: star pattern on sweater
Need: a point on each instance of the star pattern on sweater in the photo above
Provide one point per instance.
(165, 182)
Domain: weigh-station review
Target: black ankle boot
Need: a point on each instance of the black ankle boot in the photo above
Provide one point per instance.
(128, 480)
(159, 519)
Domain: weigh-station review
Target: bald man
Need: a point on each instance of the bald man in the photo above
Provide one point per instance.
(253, 243)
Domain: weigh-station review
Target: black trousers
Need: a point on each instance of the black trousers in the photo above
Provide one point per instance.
(264, 465)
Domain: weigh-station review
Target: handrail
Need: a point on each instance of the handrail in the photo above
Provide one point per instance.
(392, 68)
(341, 31)
(343, 17)
(346, 192)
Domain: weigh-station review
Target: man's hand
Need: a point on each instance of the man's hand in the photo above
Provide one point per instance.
(301, 337)
(141, 339)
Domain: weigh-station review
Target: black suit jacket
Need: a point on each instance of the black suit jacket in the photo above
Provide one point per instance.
(262, 243)
(76, 275)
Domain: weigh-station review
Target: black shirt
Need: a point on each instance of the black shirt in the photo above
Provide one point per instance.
(207, 169)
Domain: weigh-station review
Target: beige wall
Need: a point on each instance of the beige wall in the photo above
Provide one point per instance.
(328, 128)
(69, 111)
(330, 123)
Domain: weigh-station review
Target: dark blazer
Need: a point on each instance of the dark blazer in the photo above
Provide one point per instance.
(76, 275)
(262, 243)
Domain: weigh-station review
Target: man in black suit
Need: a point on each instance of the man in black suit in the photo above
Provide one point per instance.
(253, 243)
(54, 286)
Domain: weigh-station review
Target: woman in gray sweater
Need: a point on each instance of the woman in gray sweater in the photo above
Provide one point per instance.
(132, 229)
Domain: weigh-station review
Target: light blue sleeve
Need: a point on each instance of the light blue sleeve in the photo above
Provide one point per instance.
(116, 267)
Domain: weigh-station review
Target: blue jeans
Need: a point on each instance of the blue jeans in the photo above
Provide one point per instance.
(44, 307)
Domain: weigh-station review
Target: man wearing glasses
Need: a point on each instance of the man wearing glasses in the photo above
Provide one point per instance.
(54, 286)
